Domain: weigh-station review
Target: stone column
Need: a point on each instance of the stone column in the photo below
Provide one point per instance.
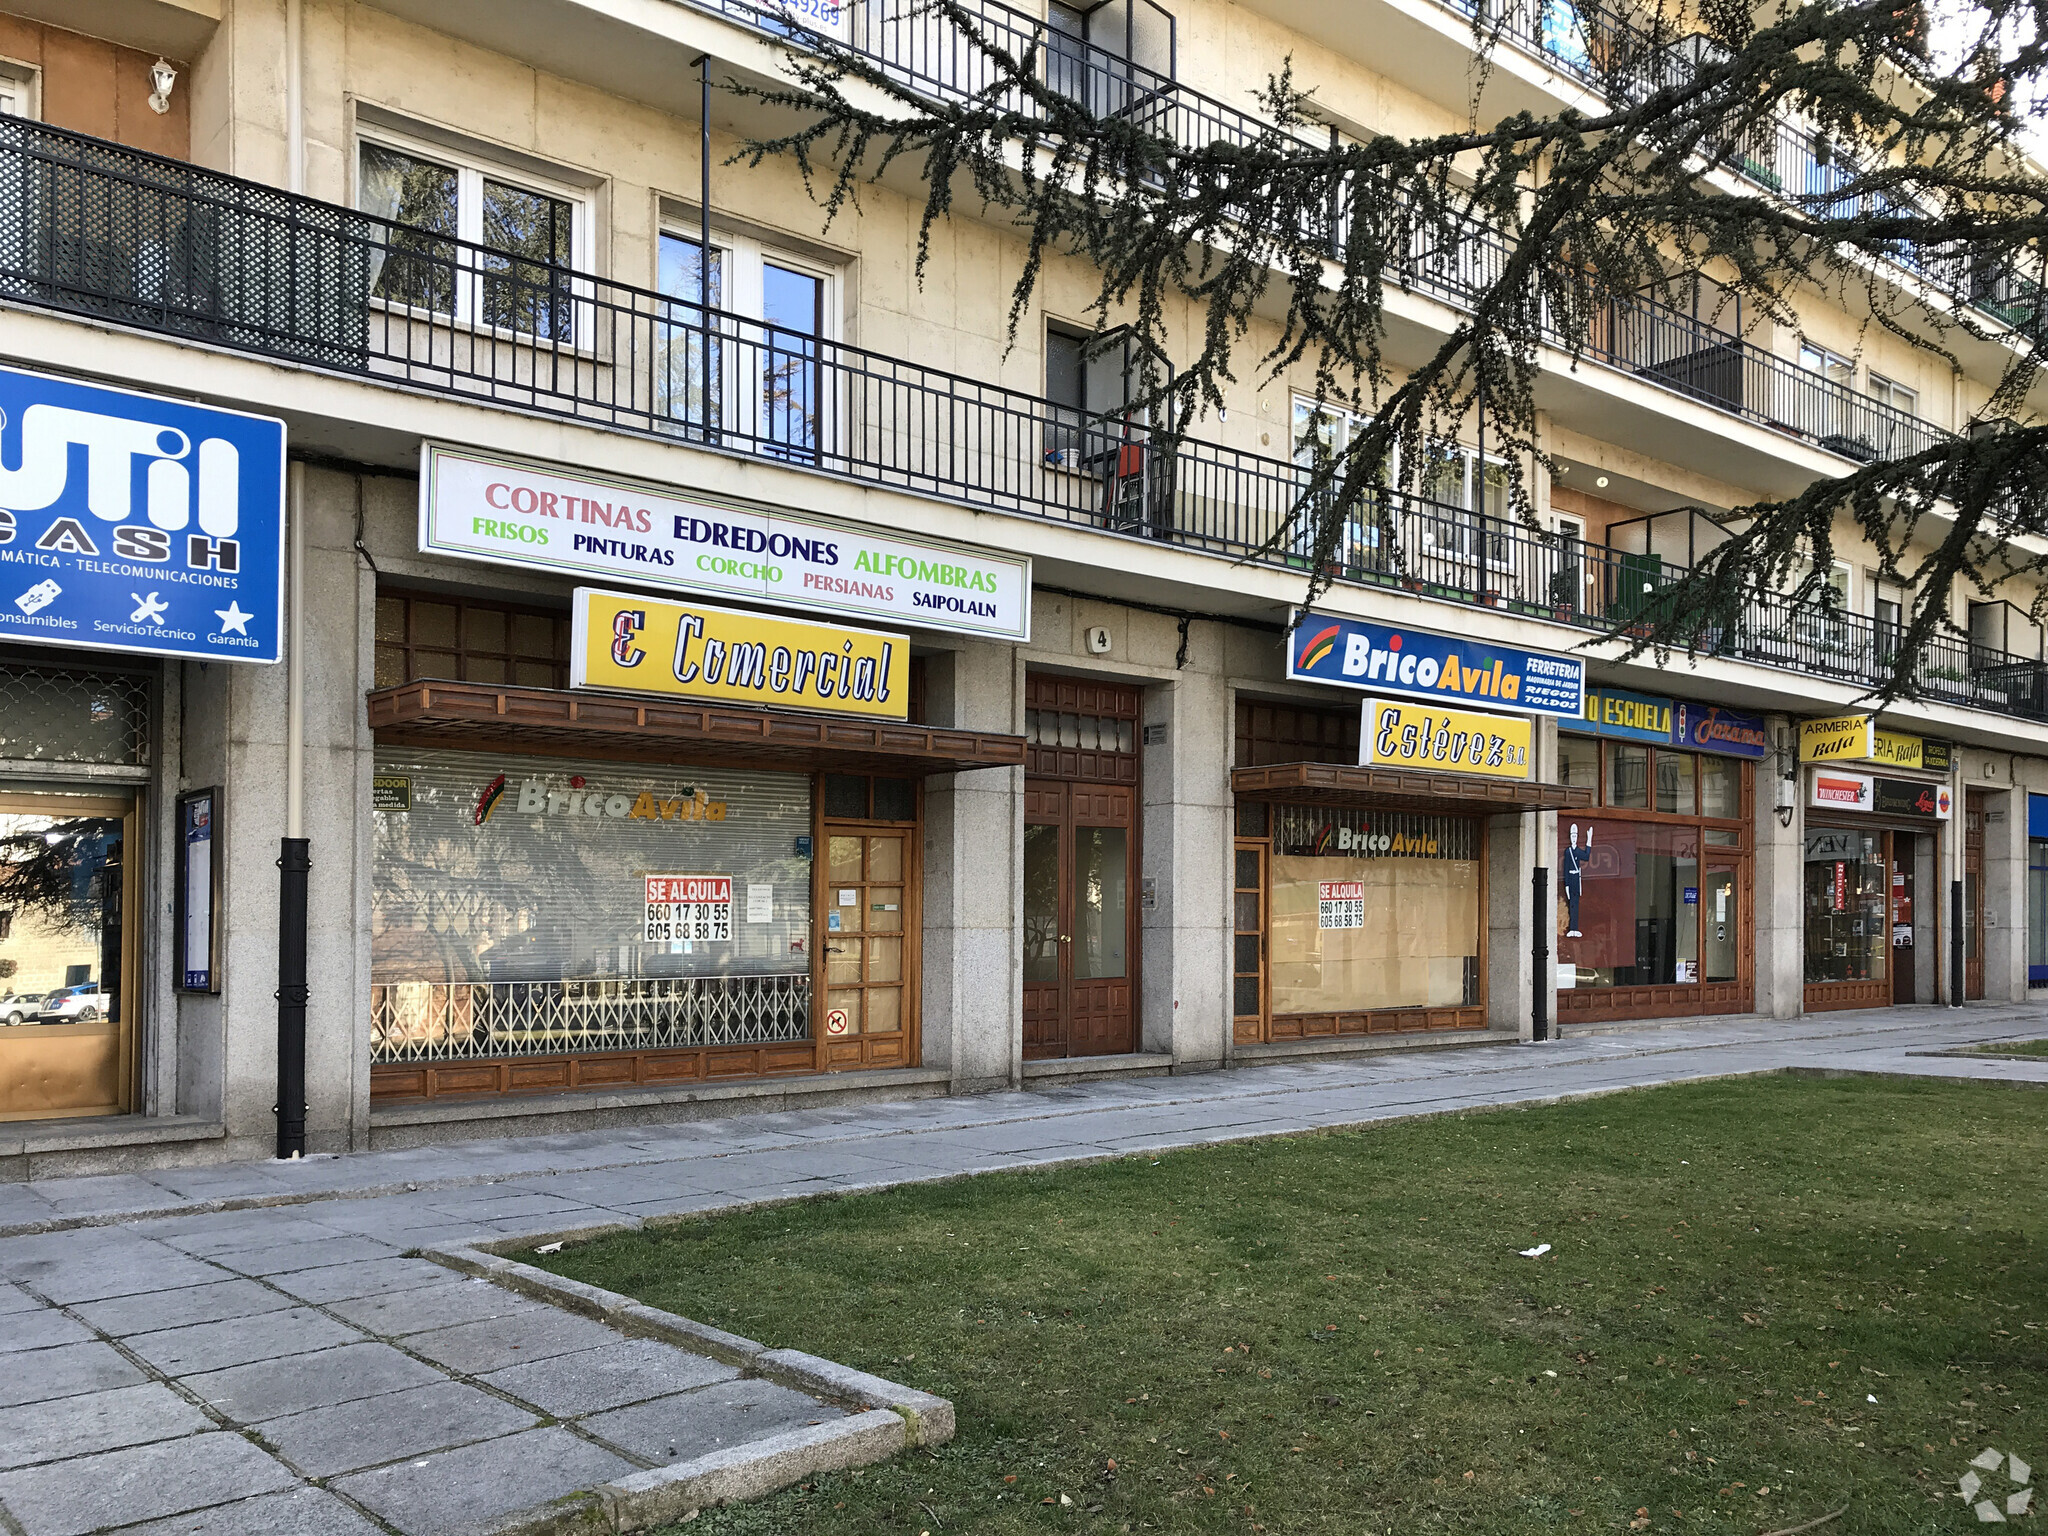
(972, 995)
(1778, 865)
(1184, 1001)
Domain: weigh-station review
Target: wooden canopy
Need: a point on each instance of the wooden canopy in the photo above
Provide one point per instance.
(564, 723)
(1402, 789)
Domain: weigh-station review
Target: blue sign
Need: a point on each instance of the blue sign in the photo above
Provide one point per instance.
(1631, 716)
(133, 523)
(1710, 728)
(1380, 658)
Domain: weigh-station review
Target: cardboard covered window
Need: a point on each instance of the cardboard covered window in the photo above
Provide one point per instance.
(547, 905)
(1372, 909)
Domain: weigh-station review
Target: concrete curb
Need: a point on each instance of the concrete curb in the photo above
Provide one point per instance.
(887, 1417)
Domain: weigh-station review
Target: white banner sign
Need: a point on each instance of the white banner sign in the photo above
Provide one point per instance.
(480, 506)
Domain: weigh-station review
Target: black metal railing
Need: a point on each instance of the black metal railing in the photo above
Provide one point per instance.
(95, 229)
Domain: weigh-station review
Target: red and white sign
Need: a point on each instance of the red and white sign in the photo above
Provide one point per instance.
(1340, 904)
(835, 1021)
(689, 909)
(1834, 790)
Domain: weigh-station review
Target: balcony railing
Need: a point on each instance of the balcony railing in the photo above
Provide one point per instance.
(95, 229)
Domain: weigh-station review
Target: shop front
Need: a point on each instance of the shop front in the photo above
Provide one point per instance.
(1363, 892)
(135, 529)
(1654, 889)
(1871, 886)
(646, 877)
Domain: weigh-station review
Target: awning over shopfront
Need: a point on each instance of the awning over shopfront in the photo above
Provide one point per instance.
(562, 722)
(1401, 789)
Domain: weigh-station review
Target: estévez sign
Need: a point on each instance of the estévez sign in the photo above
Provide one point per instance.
(482, 506)
(1383, 658)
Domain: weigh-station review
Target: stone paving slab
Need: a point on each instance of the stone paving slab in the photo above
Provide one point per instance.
(609, 1376)
(295, 1512)
(274, 1389)
(363, 1277)
(227, 1296)
(461, 1490)
(455, 1300)
(371, 1431)
(238, 1340)
(66, 1371)
(95, 1421)
(500, 1342)
(69, 1498)
(695, 1423)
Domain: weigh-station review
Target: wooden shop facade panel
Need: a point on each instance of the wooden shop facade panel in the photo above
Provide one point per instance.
(581, 891)
(1654, 887)
(1367, 885)
(1080, 920)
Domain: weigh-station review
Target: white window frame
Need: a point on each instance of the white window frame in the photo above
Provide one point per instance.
(22, 85)
(471, 171)
(741, 301)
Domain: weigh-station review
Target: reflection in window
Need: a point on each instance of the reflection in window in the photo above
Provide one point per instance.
(1848, 928)
(523, 289)
(418, 270)
(1629, 904)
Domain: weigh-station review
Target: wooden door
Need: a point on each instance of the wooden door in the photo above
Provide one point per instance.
(1248, 940)
(869, 940)
(1973, 895)
(1904, 849)
(1079, 920)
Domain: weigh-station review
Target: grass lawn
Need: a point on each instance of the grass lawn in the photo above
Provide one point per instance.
(1766, 1299)
(2009, 1048)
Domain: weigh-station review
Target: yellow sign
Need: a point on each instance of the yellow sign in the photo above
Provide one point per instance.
(1844, 739)
(640, 644)
(1406, 735)
(1896, 751)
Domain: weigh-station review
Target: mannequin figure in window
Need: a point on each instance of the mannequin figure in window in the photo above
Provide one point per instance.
(1571, 861)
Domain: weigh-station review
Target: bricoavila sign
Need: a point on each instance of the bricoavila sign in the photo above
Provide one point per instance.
(135, 523)
(1413, 663)
(637, 644)
(506, 511)
(1408, 735)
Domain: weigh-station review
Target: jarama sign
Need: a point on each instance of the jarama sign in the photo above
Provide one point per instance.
(507, 511)
(1403, 735)
(129, 522)
(637, 644)
(1413, 663)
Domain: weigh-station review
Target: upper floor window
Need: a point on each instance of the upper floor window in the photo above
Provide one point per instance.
(1894, 394)
(529, 235)
(18, 89)
(756, 371)
(1829, 365)
(1091, 48)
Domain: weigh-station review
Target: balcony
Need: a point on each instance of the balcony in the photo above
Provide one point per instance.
(88, 228)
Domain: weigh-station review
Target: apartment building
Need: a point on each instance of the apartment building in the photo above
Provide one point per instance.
(701, 664)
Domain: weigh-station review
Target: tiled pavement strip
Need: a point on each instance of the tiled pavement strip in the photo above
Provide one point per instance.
(249, 1348)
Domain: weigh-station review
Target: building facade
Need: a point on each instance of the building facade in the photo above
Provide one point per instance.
(705, 664)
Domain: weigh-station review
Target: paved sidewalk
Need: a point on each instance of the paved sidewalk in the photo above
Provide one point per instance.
(145, 1319)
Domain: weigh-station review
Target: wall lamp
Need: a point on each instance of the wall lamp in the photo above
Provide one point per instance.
(1788, 779)
(163, 75)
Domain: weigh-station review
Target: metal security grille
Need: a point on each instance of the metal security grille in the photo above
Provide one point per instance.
(52, 716)
(432, 1021)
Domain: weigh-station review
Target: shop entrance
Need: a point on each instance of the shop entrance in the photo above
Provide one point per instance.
(1077, 921)
(870, 924)
(1080, 863)
(66, 955)
(1905, 847)
(1866, 915)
